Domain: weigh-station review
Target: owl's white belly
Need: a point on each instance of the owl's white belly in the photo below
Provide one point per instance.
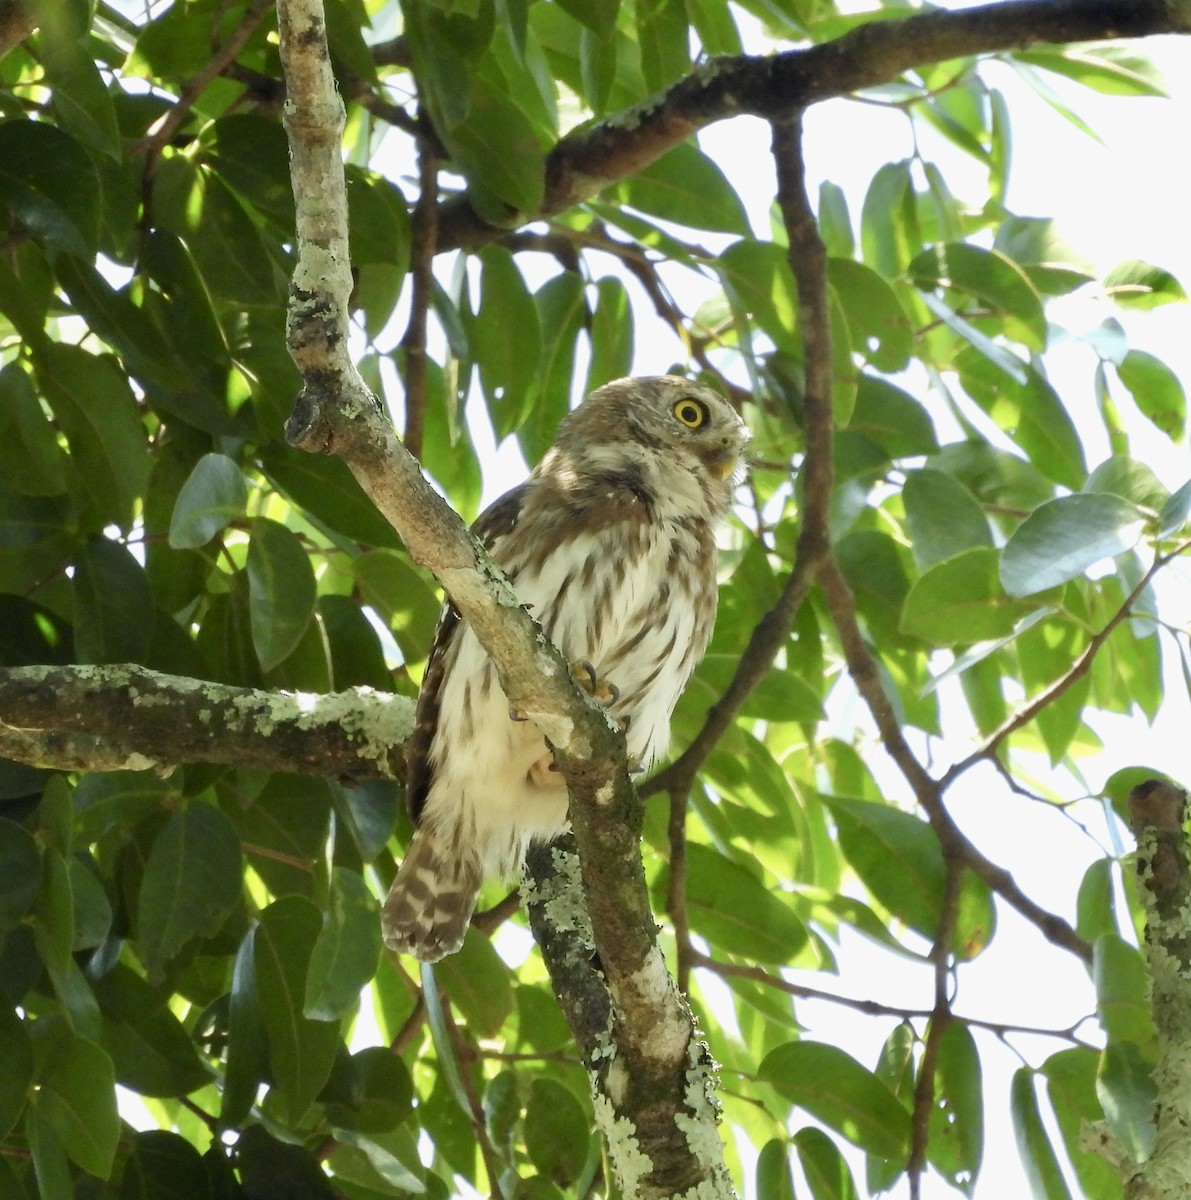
(633, 618)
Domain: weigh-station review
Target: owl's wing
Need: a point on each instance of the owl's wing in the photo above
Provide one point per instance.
(495, 521)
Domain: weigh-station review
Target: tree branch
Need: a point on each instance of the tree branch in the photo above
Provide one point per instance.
(655, 1100)
(126, 717)
(775, 87)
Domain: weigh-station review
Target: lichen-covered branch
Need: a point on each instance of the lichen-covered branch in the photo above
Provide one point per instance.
(1158, 814)
(106, 718)
(657, 1096)
(777, 86)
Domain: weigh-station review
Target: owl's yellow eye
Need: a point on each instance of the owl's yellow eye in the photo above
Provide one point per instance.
(692, 413)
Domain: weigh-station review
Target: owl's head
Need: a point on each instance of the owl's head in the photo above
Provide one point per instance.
(665, 414)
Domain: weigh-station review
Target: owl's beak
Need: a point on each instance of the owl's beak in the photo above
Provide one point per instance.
(722, 465)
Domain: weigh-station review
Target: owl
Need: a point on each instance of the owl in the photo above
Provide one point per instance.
(611, 545)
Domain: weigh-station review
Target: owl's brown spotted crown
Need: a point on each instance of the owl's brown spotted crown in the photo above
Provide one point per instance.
(611, 544)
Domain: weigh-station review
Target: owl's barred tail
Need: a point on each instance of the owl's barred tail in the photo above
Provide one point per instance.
(429, 906)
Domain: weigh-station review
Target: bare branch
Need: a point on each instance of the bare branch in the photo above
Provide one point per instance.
(105, 718)
(775, 87)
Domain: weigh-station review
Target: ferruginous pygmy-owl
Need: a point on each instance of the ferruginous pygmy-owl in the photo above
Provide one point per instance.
(611, 545)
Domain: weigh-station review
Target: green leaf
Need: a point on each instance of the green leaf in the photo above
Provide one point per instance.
(879, 326)
(899, 859)
(1033, 1142)
(1156, 390)
(1064, 537)
(281, 590)
(960, 601)
(775, 1180)
(113, 606)
(49, 183)
(1122, 991)
(562, 311)
(1138, 284)
(164, 1166)
(1123, 476)
(1175, 511)
(151, 1051)
(956, 1144)
(1113, 70)
(212, 498)
(611, 334)
(80, 96)
(33, 463)
(942, 517)
(16, 1053)
(97, 411)
(192, 880)
(20, 872)
(508, 364)
(301, 1051)
(824, 1167)
(557, 1132)
(272, 1169)
(1126, 1088)
(1071, 1087)
(993, 279)
(369, 1091)
(77, 1098)
(345, 956)
(889, 235)
(247, 1046)
(734, 910)
(833, 1087)
(688, 188)
(479, 984)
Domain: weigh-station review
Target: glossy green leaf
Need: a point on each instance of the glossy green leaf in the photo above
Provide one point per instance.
(51, 1167)
(956, 1146)
(960, 601)
(688, 188)
(942, 517)
(301, 1050)
(164, 1166)
(1113, 70)
(1175, 511)
(899, 860)
(1122, 991)
(833, 1087)
(16, 1052)
(1126, 1088)
(20, 872)
(192, 880)
(77, 1098)
(889, 235)
(1156, 390)
(1033, 1142)
(49, 183)
(1071, 1088)
(247, 1054)
(369, 1091)
(735, 911)
(113, 607)
(151, 1051)
(562, 311)
(33, 462)
(270, 1168)
(774, 1179)
(345, 956)
(1137, 284)
(479, 984)
(81, 98)
(878, 324)
(507, 364)
(212, 498)
(557, 1132)
(1063, 538)
(97, 412)
(611, 333)
(281, 590)
(823, 1165)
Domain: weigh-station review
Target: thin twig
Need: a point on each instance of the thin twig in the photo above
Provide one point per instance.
(151, 144)
(1078, 669)
(940, 1018)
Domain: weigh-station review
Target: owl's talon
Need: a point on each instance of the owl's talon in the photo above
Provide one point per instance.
(603, 690)
(517, 714)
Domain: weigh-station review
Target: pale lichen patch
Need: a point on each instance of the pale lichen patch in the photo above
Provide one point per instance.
(630, 1163)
